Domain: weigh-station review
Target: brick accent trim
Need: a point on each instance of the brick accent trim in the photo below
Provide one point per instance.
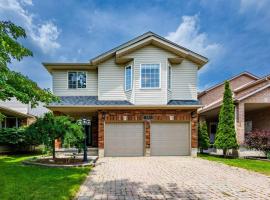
(138, 116)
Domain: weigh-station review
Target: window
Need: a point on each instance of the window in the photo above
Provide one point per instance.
(76, 80)
(128, 78)
(169, 77)
(150, 76)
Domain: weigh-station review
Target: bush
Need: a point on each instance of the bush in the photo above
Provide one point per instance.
(13, 136)
(204, 142)
(49, 128)
(259, 140)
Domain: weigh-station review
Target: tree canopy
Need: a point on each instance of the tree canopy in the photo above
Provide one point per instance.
(15, 84)
(226, 135)
(49, 128)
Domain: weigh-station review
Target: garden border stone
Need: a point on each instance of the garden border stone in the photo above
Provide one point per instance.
(31, 161)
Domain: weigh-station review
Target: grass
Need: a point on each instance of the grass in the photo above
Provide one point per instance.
(262, 167)
(21, 182)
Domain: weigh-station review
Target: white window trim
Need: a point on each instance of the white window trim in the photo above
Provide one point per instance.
(170, 80)
(151, 88)
(86, 76)
(131, 85)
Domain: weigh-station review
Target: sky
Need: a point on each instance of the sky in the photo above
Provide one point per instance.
(233, 34)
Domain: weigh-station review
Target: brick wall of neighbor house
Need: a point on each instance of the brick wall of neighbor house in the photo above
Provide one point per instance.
(217, 93)
(138, 115)
(260, 119)
(261, 97)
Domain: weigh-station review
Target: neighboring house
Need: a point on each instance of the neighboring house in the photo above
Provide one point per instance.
(252, 104)
(18, 114)
(141, 97)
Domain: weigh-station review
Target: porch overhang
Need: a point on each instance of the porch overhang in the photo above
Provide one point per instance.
(92, 108)
(10, 112)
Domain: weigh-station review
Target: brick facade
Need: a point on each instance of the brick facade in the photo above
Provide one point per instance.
(217, 93)
(105, 116)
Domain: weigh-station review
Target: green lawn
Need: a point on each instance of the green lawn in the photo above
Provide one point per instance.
(21, 182)
(253, 165)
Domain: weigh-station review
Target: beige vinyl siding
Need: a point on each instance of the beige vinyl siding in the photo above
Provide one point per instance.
(60, 84)
(169, 95)
(150, 55)
(111, 81)
(184, 81)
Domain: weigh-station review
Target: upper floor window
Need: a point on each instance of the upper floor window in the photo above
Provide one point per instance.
(169, 77)
(128, 78)
(76, 80)
(150, 76)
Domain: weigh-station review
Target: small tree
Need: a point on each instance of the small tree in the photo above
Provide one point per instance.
(226, 135)
(259, 140)
(204, 142)
(49, 128)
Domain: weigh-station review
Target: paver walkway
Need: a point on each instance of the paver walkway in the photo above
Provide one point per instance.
(171, 178)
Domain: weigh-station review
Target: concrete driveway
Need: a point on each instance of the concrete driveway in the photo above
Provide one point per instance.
(171, 178)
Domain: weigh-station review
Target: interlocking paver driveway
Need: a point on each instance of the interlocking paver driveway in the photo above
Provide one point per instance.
(171, 178)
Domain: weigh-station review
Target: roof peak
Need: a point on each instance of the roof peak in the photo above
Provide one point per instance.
(230, 79)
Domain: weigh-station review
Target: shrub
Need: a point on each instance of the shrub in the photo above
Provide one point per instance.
(259, 140)
(13, 136)
(49, 128)
(204, 142)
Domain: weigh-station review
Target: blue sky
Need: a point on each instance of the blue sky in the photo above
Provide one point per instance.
(233, 34)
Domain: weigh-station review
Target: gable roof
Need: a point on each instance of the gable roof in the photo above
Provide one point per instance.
(254, 92)
(234, 77)
(265, 78)
(121, 50)
(146, 39)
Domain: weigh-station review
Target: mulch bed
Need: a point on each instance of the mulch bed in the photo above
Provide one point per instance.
(60, 161)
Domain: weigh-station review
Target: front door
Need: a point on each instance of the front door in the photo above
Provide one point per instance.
(213, 131)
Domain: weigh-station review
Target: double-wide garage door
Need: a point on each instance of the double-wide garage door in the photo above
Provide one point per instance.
(166, 139)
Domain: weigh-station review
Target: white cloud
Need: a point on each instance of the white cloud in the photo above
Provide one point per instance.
(188, 35)
(252, 5)
(44, 35)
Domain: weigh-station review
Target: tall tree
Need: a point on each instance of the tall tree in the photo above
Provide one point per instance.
(226, 135)
(204, 142)
(15, 84)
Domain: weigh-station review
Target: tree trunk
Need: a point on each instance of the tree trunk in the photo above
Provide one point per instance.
(53, 149)
(201, 150)
(225, 152)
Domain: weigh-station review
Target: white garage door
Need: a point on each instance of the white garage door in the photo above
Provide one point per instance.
(170, 139)
(124, 139)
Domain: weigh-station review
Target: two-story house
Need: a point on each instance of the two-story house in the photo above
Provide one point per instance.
(141, 97)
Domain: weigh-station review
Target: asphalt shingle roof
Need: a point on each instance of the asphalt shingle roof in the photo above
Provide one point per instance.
(93, 100)
(184, 102)
(86, 100)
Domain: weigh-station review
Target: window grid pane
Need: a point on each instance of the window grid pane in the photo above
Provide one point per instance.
(150, 76)
(169, 77)
(81, 80)
(72, 78)
(128, 78)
